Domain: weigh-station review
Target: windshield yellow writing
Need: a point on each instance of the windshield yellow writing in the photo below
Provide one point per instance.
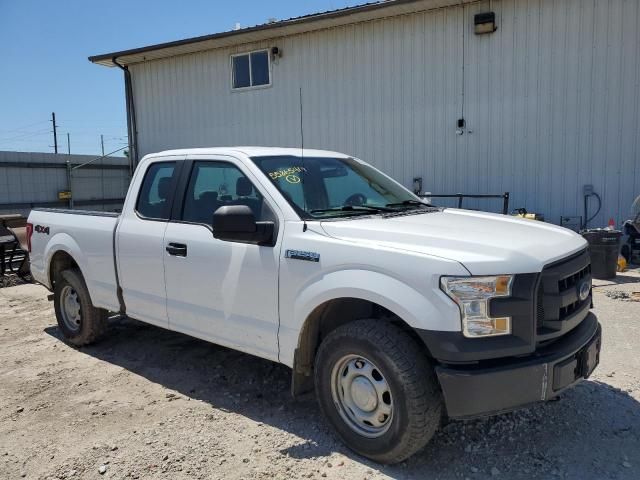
(286, 172)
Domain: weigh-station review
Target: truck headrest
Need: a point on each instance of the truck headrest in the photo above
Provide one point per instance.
(164, 188)
(244, 188)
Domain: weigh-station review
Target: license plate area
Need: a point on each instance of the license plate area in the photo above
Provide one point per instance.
(580, 365)
(589, 357)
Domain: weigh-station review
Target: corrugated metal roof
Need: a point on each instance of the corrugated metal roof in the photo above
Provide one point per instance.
(291, 26)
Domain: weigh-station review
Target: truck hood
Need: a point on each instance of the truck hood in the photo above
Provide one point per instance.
(485, 243)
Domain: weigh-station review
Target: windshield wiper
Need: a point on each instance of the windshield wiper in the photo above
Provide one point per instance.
(353, 208)
(408, 203)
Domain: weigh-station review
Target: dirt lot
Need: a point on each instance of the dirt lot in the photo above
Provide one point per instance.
(148, 403)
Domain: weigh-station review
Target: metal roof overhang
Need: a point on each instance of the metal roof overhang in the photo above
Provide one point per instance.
(293, 26)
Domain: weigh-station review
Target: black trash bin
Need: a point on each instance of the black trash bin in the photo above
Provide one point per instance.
(604, 246)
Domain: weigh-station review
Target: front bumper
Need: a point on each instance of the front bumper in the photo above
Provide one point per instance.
(497, 386)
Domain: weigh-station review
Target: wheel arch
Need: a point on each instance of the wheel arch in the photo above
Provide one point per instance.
(60, 260)
(324, 319)
(62, 252)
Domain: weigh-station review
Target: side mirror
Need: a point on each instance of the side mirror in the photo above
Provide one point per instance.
(236, 223)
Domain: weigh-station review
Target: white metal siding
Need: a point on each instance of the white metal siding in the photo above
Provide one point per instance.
(552, 100)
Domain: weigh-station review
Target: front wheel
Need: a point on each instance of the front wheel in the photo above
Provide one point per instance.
(80, 322)
(378, 390)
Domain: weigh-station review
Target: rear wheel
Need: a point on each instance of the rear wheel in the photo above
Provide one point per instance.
(378, 390)
(80, 322)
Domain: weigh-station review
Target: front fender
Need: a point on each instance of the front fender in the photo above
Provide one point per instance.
(427, 309)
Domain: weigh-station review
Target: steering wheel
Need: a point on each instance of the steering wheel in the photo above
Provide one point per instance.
(356, 199)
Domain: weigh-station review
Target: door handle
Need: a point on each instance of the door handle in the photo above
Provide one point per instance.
(177, 249)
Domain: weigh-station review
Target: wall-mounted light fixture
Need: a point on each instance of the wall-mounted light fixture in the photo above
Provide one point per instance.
(417, 185)
(276, 52)
(485, 23)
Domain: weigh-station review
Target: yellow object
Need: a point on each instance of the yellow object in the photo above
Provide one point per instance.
(530, 216)
(622, 263)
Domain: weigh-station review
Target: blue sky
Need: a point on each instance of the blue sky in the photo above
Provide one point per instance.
(44, 66)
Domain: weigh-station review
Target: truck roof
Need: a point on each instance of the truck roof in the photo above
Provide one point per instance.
(250, 151)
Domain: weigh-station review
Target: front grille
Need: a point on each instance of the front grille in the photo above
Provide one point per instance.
(540, 307)
(569, 283)
(559, 308)
(572, 280)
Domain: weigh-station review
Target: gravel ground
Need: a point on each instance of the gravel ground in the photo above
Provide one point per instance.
(148, 403)
(10, 280)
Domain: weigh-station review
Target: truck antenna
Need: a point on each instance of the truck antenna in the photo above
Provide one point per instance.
(303, 172)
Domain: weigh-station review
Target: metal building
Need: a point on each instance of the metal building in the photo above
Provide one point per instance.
(540, 99)
(33, 179)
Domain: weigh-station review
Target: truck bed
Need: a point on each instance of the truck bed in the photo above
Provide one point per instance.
(88, 236)
(92, 213)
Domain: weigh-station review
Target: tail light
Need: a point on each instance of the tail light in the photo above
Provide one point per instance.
(29, 235)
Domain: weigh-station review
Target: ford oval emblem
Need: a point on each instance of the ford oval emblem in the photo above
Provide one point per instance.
(584, 289)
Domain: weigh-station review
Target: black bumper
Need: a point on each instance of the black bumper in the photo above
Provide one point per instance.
(501, 385)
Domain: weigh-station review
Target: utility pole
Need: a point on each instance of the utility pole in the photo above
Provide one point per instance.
(69, 172)
(55, 133)
(102, 162)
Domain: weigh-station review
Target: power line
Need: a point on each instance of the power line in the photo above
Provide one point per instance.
(29, 138)
(19, 129)
(26, 135)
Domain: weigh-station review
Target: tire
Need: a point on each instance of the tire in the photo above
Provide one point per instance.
(90, 323)
(414, 400)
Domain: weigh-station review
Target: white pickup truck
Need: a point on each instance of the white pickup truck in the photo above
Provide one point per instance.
(397, 312)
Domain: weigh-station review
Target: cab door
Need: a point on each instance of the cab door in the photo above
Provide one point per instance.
(224, 292)
(140, 240)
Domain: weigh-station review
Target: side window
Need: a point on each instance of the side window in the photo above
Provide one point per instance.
(250, 69)
(215, 184)
(155, 191)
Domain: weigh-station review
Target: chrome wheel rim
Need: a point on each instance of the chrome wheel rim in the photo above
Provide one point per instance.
(362, 396)
(70, 308)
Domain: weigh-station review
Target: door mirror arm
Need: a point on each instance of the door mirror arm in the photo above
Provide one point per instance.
(237, 223)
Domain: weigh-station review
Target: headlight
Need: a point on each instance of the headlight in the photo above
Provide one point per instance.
(472, 294)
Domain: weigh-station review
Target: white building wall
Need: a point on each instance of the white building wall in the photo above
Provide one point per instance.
(551, 101)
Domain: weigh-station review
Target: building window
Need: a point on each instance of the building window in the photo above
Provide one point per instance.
(251, 70)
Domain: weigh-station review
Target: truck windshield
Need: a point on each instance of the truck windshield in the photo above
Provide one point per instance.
(324, 187)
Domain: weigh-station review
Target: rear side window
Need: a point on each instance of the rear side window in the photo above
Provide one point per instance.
(154, 200)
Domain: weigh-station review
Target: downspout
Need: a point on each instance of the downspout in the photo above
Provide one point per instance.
(132, 128)
(132, 133)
